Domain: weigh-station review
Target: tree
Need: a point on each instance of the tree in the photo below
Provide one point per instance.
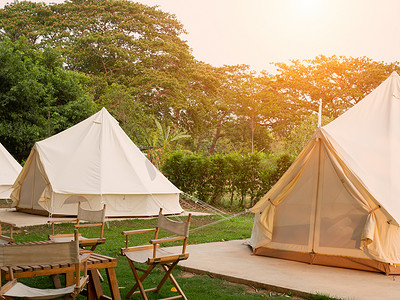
(301, 134)
(339, 82)
(38, 97)
(128, 111)
(163, 140)
(119, 41)
(204, 106)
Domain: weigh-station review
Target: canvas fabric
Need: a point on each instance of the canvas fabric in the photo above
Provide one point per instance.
(95, 163)
(20, 290)
(338, 199)
(93, 216)
(39, 254)
(142, 256)
(178, 228)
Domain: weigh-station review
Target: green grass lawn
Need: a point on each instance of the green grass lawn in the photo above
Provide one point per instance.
(194, 286)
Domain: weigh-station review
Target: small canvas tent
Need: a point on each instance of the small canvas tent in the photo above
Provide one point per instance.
(9, 170)
(339, 202)
(93, 162)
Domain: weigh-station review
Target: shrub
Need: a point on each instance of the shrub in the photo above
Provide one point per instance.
(222, 179)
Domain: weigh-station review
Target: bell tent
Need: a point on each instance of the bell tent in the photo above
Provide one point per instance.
(9, 170)
(95, 163)
(339, 202)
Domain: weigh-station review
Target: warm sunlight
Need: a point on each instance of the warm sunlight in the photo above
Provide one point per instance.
(306, 8)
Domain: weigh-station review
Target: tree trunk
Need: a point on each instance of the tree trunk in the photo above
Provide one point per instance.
(214, 142)
(217, 135)
(198, 144)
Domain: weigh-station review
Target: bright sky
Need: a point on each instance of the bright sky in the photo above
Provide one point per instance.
(258, 32)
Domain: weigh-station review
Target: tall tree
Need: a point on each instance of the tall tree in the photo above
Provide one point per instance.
(252, 106)
(120, 41)
(339, 82)
(38, 97)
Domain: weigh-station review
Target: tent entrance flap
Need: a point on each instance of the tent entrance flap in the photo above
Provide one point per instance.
(33, 186)
(340, 217)
(294, 217)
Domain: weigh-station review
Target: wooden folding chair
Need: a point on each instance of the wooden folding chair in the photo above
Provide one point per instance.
(153, 255)
(93, 218)
(13, 255)
(6, 239)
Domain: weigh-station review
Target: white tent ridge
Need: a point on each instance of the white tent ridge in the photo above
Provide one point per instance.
(94, 162)
(339, 202)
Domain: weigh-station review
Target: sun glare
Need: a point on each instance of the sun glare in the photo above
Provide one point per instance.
(307, 8)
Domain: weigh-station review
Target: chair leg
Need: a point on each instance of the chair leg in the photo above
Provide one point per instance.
(168, 274)
(139, 280)
(169, 270)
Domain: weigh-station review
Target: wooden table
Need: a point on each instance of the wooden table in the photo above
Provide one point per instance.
(95, 262)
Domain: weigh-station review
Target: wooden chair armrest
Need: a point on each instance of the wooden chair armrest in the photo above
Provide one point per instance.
(166, 240)
(168, 258)
(138, 248)
(91, 241)
(129, 232)
(84, 257)
(61, 221)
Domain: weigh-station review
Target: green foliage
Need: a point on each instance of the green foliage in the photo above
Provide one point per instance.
(213, 178)
(162, 140)
(138, 67)
(127, 110)
(38, 97)
(300, 135)
(119, 41)
(340, 82)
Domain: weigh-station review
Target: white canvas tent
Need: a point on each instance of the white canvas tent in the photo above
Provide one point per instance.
(9, 170)
(339, 202)
(94, 162)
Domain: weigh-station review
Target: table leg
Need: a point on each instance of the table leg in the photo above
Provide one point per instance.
(95, 290)
(56, 281)
(113, 283)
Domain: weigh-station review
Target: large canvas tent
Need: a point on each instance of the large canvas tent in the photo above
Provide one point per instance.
(96, 163)
(9, 170)
(339, 202)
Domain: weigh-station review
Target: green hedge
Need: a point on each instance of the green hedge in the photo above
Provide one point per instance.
(229, 180)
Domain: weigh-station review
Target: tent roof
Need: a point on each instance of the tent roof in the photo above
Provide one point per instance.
(96, 157)
(9, 167)
(367, 137)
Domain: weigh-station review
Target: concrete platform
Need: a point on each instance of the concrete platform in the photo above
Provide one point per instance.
(21, 219)
(233, 261)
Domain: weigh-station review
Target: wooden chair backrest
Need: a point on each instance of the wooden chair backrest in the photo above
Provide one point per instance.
(92, 216)
(39, 254)
(174, 227)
